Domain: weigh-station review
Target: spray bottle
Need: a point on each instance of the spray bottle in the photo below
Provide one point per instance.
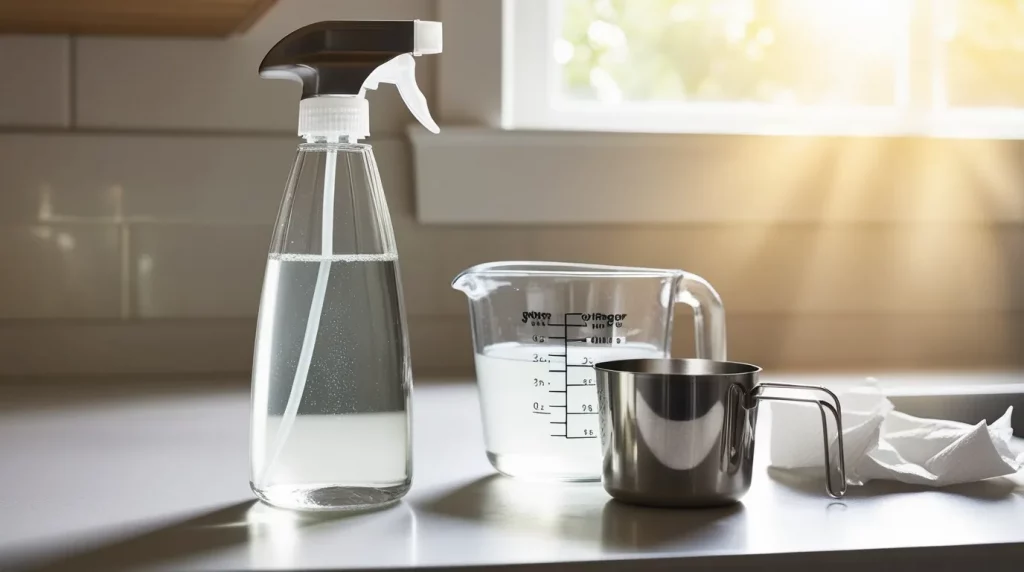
(330, 426)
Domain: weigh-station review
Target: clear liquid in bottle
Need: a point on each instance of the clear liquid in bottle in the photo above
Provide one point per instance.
(330, 430)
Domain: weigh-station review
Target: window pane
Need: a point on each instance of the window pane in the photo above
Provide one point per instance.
(985, 53)
(833, 52)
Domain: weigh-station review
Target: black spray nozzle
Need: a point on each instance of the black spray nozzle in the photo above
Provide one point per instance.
(336, 58)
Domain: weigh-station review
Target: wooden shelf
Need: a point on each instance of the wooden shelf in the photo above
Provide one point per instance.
(211, 18)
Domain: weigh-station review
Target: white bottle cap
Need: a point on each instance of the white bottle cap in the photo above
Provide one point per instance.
(334, 117)
(329, 59)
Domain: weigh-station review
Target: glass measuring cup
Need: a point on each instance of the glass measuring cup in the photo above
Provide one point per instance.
(539, 328)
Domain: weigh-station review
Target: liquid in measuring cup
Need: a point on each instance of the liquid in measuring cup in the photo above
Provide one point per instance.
(540, 408)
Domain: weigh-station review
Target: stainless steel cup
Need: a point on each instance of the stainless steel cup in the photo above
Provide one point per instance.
(680, 432)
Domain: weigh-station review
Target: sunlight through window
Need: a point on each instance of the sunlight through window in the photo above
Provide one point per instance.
(818, 66)
(781, 51)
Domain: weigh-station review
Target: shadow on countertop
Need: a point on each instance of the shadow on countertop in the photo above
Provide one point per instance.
(229, 526)
(584, 512)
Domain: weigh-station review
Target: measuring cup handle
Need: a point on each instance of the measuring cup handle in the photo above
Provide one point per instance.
(708, 315)
(835, 408)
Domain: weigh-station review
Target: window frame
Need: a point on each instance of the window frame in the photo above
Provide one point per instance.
(534, 103)
(495, 79)
(461, 176)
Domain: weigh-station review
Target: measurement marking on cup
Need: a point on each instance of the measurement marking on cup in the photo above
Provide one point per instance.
(565, 345)
(564, 370)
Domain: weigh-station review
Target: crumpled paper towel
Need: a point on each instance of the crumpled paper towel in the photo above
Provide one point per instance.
(881, 443)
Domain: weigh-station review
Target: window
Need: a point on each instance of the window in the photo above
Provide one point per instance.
(917, 67)
(557, 71)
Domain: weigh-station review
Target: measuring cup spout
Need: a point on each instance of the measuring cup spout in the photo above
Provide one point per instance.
(467, 284)
(481, 280)
(461, 282)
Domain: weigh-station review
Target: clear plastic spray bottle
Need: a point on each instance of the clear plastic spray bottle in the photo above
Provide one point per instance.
(330, 425)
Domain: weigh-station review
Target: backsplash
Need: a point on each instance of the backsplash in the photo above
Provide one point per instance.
(139, 179)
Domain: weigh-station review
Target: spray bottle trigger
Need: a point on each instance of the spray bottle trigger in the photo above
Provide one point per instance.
(401, 71)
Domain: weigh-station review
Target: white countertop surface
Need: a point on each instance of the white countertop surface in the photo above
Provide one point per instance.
(154, 477)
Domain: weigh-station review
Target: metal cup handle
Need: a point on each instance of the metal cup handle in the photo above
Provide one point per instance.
(837, 414)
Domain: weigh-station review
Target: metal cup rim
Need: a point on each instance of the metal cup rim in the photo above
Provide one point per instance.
(686, 367)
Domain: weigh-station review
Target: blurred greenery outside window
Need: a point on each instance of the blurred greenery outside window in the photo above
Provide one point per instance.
(894, 55)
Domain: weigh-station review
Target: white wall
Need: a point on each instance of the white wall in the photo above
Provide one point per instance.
(139, 179)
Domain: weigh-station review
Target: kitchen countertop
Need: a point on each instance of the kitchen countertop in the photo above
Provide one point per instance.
(117, 476)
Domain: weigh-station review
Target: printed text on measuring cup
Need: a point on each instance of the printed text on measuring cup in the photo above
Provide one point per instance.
(564, 348)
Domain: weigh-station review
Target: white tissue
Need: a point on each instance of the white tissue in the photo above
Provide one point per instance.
(881, 443)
